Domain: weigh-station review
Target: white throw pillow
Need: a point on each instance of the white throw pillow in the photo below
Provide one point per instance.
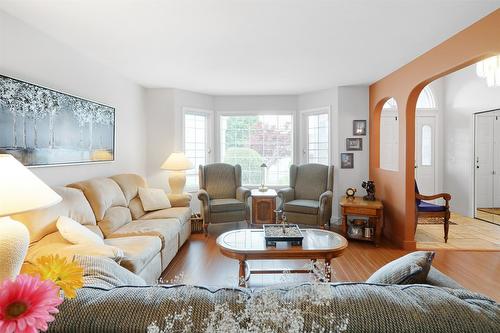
(153, 199)
(76, 233)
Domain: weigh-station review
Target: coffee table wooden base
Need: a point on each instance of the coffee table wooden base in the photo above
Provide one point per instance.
(250, 244)
(245, 272)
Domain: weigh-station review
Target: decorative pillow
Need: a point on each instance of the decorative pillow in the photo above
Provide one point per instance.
(409, 269)
(105, 273)
(76, 233)
(153, 199)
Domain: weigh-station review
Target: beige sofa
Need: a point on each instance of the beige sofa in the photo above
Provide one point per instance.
(143, 242)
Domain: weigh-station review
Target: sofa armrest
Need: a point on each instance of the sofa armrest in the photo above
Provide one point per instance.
(325, 207)
(242, 194)
(180, 200)
(205, 205)
(285, 194)
(203, 195)
(439, 279)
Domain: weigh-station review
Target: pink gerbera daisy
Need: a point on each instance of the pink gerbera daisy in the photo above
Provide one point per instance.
(27, 304)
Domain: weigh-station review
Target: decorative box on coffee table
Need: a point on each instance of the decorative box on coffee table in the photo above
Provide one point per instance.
(263, 206)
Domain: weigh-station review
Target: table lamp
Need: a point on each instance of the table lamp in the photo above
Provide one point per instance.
(177, 164)
(20, 191)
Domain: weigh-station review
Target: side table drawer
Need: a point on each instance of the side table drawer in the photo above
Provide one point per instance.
(360, 211)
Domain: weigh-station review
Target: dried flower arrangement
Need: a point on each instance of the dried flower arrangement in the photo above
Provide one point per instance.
(262, 312)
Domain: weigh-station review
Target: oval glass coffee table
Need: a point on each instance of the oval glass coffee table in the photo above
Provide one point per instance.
(250, 244)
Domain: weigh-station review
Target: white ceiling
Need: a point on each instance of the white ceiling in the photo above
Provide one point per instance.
(251, 46)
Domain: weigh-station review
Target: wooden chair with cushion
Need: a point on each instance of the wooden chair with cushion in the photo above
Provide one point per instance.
(427, 209)
(221, 194)
(308, 200)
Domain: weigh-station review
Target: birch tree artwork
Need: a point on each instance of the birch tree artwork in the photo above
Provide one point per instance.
(40, 126)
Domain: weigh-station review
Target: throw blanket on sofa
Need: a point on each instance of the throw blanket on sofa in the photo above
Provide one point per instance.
(349, 307)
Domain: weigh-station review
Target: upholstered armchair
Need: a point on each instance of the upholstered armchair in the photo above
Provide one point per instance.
(308, 200)
(222, 197)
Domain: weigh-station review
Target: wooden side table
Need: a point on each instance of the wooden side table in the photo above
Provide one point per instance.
(263, 206)
(374, 210)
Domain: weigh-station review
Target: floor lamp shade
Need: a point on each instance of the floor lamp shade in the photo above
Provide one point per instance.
(177, 163)
(20, 191)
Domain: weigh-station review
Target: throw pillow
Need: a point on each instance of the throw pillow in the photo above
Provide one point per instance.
(76, 233)
(409, 269)
(103, 272)
(153, 199)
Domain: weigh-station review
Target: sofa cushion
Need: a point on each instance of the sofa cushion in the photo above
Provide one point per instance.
(137, 251)
(103, 272)
(226, 205)
(136, 209)
(409, 269)
(153, 199)
(337, 307)
(76, 233)
(129, 184)
(183, 214)
(56, 244)
(102, 193)
(42, 222)
(166, 229)
(115, 218)
(302, 206)
(429, 207)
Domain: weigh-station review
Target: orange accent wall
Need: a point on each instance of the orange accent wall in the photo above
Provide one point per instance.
(396, 188)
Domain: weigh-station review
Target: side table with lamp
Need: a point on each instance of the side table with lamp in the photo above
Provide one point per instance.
(20, 191)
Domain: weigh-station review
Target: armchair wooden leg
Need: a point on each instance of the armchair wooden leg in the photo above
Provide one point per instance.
(446, 227)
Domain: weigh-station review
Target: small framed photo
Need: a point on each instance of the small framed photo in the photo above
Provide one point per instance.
(353, 144)
(359, 127)
(346, 160)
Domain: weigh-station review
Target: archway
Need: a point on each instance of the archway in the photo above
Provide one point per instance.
(396, 188)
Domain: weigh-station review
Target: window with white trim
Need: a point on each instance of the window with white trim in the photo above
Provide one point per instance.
(250, 140)
(315, 138)
(197, 142)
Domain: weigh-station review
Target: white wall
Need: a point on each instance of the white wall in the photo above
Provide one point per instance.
(347, 103)
(353, 105)
(464, 95)
(29, 55)
(164, 109)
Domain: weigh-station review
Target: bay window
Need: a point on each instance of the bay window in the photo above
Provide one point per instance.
(250, 140)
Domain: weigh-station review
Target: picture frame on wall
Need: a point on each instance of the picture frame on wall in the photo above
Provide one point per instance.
(346, 160)
(359, 127)
(43, 127)
(353, 144)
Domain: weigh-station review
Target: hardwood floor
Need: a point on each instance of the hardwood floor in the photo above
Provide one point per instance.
(200, 262)
(466, 234)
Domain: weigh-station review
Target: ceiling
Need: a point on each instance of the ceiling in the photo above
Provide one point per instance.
(249, 47)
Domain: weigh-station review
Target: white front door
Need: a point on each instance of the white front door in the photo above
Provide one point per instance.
(484, 161)
(425, 154)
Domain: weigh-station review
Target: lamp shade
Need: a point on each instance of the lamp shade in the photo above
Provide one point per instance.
(21, 190)
(177, 162)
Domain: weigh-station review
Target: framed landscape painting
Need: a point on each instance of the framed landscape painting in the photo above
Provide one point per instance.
(43, 127)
